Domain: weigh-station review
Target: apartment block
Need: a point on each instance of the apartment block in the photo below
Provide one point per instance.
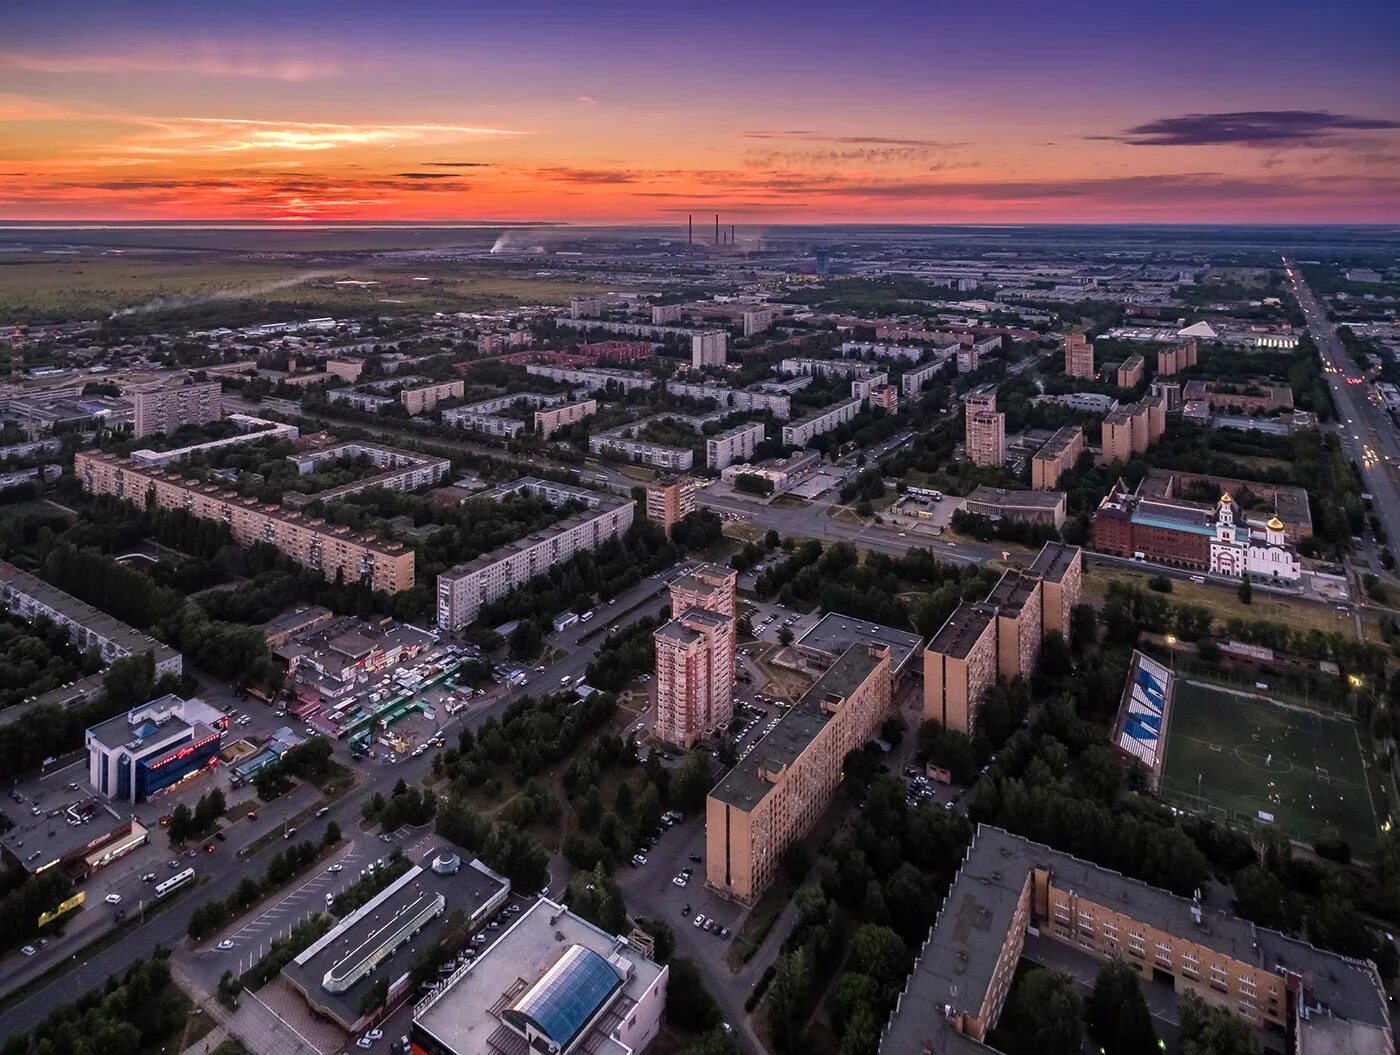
(1056, 458)
(462, 590)
(1018, 603)
(255, 429)
(666, 314)
(332, 550)
(801, 433)
(734, 445)
(548, 422)
(399, 470)
(984, 428)
(708, 348)
(585, 308)
(366, 401)
(1128, 431)
(758, 320)
(620, 443)
(865, 384)
(917, 378)
(424, 397)
(486, 415)
(968, 358)
(695, 657)
(593, 378)
(166, 408)
(824, 367)
(960, 665)
(670, 501)
(774, 796)
(1079, 355)
(886, 397)
(29, 597)
(908, 353)
(779, 404)
(345, 369)
(1310, 1001)
(1060, 569)
(1170, 391)
(1156, 407)
(1130, 372)
(1178, 357)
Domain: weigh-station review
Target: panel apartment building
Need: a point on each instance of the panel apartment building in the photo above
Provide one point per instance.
(166, 408)
(461, 591)
(695, 656)
(423, 398)
(595, 379)
(800, 433)
(1312, 1001)
(734, 445)
(310, 541)
(776, 403)
(670, 501)
(984, 427)
(774, 797)
(1056, 458)
(548, 422)
(30, 597)
(999, 637)
(1079, 355)
(707, 348)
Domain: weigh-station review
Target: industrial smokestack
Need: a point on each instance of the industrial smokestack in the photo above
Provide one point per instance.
(690, 229)
(731, 234)
(716, 228)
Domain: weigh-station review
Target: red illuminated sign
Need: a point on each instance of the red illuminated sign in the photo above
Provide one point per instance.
(184, 752)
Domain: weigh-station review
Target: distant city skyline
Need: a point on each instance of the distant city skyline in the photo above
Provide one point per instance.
(622, 112)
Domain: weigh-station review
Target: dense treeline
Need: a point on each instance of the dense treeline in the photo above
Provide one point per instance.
(138, 1012)
(37, 657)
(623, 656)
(1004, 529)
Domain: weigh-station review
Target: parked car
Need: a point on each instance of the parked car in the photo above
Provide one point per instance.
(224, 946)
(113, 899)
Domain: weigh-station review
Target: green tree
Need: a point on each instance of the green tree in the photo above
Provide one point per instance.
(1118, 1018)
(1246, 590)
(693, 782)
(689, 1005)
(1043, 1016)
(1206, 1030)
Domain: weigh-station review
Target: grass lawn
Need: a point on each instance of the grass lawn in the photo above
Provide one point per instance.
(1224, 602)
(789, 502)
(36, 505)
(742, 531)
(845, 515)
(1239, 755)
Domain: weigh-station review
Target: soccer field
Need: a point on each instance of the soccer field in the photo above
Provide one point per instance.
(1236, 756)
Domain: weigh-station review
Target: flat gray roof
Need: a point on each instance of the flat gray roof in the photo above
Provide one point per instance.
(1053, 560)
(956, 964)
(468, 891)
(834, 633)
(1012, 591)
(962, 629)
(999, 496)
(465, 1015)
(744, 786)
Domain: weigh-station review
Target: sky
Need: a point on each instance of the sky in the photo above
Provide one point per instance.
(766, 111)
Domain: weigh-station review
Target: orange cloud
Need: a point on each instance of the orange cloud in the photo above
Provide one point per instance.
(204, 58)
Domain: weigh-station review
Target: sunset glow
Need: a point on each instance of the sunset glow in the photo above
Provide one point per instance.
(625, 112)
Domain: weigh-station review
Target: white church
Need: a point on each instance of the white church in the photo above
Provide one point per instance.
(1237, 551)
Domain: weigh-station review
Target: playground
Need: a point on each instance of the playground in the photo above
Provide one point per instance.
(1252, 761)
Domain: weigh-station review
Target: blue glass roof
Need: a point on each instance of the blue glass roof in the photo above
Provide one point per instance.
(568, 995)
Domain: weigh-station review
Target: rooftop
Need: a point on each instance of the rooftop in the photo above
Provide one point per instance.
(745, 785)
(834, 633)
(100, 623)
(999, 496)
(528, 971)
(1053, 560)
(1012, 591)
(65, 828)
(1060, 442)
(165, 715)
(500, 553)
(963, 629)
(367, 931)
(956, 964)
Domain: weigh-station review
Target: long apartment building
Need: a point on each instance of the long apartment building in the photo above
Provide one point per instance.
(1009, 887)
(917, 378)
(1131, 429)
(166, 408)
(357, 400)
(998, 637)
(824, 367)
(30, 597)
(1129, 372)
(858, 350)
(1056, 458)
(1180, 356)
(462, 590)
(800, 433)
(708, 348)
(622, 442)
(595, 378)
(255, 429)
(549, 491)
(773, 797)
(400, 470)
(776, 403)
(485, 414)
(733, 445)
(984, 427)
(551, 420)
(422, 398)
(309, 541)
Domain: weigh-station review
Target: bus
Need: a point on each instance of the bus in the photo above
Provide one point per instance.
(175, 882)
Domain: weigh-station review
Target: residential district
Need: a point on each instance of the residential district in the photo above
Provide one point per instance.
(771, 645)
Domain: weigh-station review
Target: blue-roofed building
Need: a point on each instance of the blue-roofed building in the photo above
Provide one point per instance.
(153, 747)
(552, 983)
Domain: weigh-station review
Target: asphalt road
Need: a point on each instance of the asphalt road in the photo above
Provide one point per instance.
(1368, 435)
(169, 926)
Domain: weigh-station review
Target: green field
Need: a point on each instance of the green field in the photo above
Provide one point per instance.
(1235, 756)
